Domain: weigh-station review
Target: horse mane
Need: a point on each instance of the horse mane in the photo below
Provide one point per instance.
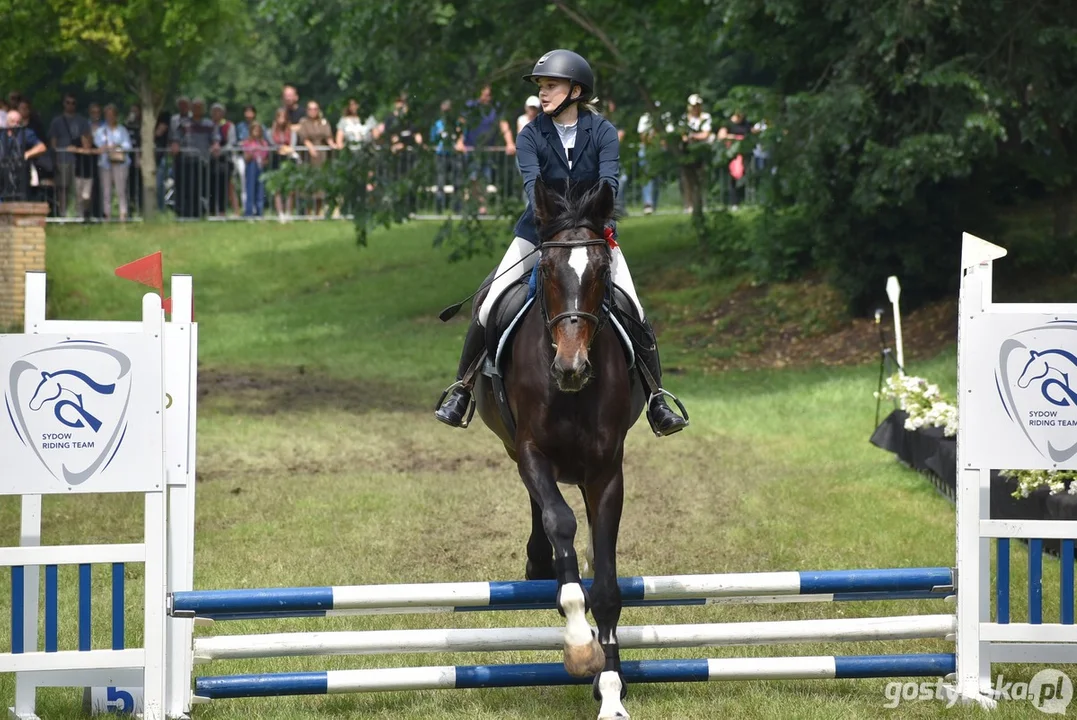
(574, 207)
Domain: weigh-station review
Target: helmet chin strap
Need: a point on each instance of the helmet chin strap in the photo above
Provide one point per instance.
(568, 100)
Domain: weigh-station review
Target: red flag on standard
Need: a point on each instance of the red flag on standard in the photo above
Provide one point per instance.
(147, 271)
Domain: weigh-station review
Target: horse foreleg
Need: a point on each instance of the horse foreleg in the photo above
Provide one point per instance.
(606, 500)
(589, 553)
(583, 654)
(539, 550)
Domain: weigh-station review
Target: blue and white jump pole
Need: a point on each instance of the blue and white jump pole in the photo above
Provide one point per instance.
(829, 585)
(541, 674)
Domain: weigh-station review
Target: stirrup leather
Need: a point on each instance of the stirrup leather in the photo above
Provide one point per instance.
(662, 392)
(470, 407)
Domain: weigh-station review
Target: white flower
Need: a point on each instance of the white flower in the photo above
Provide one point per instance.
(922, 402)
(1057, 481)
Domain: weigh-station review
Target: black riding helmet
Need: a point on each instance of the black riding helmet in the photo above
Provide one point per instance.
(565, 65)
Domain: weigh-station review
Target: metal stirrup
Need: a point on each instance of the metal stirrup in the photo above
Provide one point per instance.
(470, 406)
(662, 392)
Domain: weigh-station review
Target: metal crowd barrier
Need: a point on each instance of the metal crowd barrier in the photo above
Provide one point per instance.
(194, 186)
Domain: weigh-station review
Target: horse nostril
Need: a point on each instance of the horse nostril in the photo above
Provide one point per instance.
(586, 369)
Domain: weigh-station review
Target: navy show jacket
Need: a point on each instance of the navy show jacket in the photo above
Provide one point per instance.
(595, 158)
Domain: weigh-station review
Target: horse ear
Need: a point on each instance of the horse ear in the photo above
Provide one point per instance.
(602, 204)
(544, 203)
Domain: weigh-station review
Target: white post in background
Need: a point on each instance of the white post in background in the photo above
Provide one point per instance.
(893, 291)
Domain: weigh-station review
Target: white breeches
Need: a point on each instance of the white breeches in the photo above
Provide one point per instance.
(622, 278)
(520, 248)
(517, 250)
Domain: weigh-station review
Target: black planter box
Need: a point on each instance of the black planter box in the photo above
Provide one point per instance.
(930, 452)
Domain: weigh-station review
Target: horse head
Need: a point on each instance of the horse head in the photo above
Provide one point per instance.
(47, 390)
(574, 283)
(1035, 368)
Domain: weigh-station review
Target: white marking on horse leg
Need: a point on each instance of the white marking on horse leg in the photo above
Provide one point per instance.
(584, 656)
(577, 631)
(609, 689)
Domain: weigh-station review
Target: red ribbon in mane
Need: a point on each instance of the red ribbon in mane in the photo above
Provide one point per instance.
(609, 238)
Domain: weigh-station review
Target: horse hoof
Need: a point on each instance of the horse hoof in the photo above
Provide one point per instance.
(584, 660)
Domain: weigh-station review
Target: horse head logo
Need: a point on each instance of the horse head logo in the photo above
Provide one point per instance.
(1054, 368)
(62, 388)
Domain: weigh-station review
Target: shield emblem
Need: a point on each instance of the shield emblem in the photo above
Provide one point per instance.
(1036, 380)
(69, 404)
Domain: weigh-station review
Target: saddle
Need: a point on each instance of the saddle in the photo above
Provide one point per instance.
(507, 315)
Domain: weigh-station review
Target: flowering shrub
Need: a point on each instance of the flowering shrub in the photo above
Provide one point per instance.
(923, 403)
(1059, 481)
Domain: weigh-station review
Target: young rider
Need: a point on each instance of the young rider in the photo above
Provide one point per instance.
(568, 141)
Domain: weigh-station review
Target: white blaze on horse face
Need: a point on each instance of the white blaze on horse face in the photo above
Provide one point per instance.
(578, 262)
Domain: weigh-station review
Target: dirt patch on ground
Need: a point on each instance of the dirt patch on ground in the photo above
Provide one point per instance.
(797, 325)
(263, 391)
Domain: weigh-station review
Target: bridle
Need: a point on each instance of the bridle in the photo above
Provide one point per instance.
(607, 301)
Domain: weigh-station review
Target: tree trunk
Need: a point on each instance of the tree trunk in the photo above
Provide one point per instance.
(151, 105)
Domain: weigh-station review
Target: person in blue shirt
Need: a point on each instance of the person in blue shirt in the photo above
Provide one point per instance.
(443, 137)
(568, 141)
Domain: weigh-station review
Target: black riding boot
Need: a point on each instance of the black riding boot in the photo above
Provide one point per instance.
(663, 420)
(453, 410)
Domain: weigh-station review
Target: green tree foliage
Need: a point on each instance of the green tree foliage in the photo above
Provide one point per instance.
(897, 123)
(641, 53)
(26, 49)
(892, 125)
(145, 46)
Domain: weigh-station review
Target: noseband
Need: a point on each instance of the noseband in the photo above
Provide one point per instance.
(600, 319)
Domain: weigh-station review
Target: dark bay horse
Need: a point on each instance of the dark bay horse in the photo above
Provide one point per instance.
(574, 399)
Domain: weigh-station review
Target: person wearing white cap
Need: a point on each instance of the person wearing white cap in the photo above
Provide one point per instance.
(697, 132)
(531, 111)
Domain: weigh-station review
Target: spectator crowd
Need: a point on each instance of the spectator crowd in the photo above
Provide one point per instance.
(88, 166)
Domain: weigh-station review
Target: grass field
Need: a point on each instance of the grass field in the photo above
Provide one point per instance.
(319, 463)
